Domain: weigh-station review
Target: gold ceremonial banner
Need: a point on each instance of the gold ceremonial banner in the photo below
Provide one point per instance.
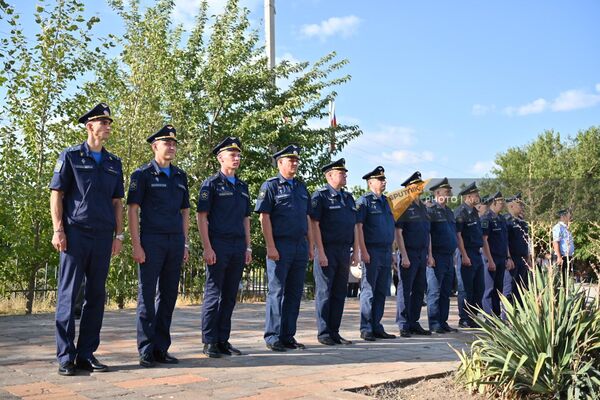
(400, 199)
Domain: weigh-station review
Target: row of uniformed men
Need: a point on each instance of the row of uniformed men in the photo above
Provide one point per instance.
(86, 192)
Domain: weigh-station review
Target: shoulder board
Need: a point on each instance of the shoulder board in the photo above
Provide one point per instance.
(113, 156)
(272, 179)
(74, 148)
(145, 167)
(323, 189)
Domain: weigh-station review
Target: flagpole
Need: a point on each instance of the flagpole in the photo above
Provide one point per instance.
(270, 32)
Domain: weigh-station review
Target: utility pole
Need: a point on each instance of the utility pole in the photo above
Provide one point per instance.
(270, 31)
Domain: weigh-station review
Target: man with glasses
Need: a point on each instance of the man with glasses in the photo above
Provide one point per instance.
(375, 226)
(223, 217)
(158, 210)
(333, 215)
(283, 204)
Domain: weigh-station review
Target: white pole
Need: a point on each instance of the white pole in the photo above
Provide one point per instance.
(270, 31)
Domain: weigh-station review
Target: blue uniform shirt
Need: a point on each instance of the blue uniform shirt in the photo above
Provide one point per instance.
(377, 219)
(227, 205)
(88, 187)
(494, 227)
(518, 236)
(288, 206)
(469, 226)
(415, 226)
(160, 197)
(443, 229)
(562, 235)
(336, 213)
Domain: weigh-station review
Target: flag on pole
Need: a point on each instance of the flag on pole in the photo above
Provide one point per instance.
(332, 120)
(400, 199)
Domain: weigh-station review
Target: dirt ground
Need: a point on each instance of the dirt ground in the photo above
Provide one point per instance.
(443, 388)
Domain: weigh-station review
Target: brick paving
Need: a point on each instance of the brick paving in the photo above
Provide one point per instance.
(28, 367)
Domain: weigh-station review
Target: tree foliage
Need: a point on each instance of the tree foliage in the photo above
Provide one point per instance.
(210, 82)
(554, 173)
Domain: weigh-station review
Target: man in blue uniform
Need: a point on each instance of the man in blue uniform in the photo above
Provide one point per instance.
(518, 244)
(413, 239)
(440, 275)
(87, 217)
(224, 224)
(159, 197)
(283, 204)
(375, 234)
(469, 238)
(333, 215)
(495, 249)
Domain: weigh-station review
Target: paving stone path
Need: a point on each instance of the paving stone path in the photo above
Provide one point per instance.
(28, 367)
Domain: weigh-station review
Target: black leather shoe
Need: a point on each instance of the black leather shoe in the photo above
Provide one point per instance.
(448, 328)
(439, 330)
(147, 361)
(212, 350)
(326, 340)
(368, 336)
(227, 349)
(420, 331)
(340, 340)
(164, 357)
(384, 335)
(277, 346)
(405, 333)
(294, 345)
(91, 364)
(66, 369)
(464, 324)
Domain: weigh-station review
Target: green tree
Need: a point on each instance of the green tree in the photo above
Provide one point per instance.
(555, 173)
(38, 74)
(209, 83)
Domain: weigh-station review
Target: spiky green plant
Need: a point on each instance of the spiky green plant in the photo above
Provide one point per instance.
(548, 346)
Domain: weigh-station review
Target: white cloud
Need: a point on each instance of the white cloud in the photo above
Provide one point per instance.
(407, 156)
(185, 11)
(342, 26)
(574, 100)
(480, 109)
(535, 107)
(483, 167)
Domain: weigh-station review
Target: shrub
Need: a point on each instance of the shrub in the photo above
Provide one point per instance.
(548, 347)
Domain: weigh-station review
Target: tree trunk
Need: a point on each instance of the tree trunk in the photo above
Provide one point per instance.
(30, 291)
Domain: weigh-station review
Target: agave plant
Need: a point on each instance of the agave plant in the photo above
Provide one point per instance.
(548, 346)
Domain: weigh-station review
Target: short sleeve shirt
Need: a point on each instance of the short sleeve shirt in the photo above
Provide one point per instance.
(88, 187)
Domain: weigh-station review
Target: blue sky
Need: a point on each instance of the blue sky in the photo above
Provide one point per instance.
(439, 86)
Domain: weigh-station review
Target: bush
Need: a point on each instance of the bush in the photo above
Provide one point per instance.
(548, 347)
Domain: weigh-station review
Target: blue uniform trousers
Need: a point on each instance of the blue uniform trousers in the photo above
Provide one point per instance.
(494, 285)
(88, 254)
(440, 280)
(520, 276)
(158, 279)
(411, 289)
(375, 284)
(286, 285)
(470, 284)
(331, 284)
(221, 288)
